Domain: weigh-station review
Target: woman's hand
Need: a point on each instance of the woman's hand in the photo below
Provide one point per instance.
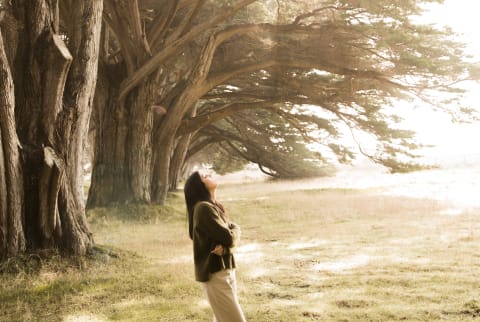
(218, 250)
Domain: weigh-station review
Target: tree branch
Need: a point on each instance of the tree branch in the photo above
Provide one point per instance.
(220, 78)
(314, 13)
(187, 21)
(193, 124)
(161, 22)
(138, 31)
(175, 47)
(111, 17)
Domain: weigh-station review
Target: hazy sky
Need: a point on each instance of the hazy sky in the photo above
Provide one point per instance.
(463, 16)
(453, 139)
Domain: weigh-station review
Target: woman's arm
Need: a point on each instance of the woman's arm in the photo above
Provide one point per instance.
(209, 221)
(220, 250)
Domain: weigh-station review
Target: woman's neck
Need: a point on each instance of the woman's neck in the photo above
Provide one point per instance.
(213, 196)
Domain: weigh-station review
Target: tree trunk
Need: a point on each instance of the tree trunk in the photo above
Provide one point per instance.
(165, 138)
(139, 141)
(123, 147)
(177, 161)
(12, 240)
(164, 152)
(53, 104)
(179, 155)
(74, 120)
(108, 175)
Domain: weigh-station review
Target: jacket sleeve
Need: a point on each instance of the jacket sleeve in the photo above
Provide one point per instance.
(211, 223)
(230, 250)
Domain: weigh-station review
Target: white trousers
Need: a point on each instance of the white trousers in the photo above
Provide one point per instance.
(221, 292)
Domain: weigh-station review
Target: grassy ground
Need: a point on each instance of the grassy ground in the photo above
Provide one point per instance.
(316, 255)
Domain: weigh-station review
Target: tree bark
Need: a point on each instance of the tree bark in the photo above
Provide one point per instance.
(122, 166)
(176, 46)
(139, 140)
(111, 128)
(177, 161)
(12, 239)
(74, 121)
(179, 155)
(54, 86)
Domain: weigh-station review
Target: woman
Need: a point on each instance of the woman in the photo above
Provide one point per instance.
(213, 239)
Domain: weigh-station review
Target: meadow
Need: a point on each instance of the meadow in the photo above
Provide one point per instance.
(305, 255)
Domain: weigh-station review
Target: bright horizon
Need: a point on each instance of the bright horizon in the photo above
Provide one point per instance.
(453, 139)
(452, 142)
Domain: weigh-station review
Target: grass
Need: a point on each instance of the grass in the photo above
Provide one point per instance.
(305, 255)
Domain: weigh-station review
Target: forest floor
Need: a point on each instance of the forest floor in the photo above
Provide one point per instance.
(305, 255)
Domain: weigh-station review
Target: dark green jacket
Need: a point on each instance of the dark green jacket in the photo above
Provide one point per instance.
(209, 230)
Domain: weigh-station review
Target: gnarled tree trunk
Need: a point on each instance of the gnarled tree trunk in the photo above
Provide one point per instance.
(110, 128)
(74, 121)
(54, 86)
(123, 147)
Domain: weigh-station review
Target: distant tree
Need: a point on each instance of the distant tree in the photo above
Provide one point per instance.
(265, 138)
(222, 161)
(48, 74)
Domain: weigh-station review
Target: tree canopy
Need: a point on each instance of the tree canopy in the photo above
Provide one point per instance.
(348, 60)
(310, 66)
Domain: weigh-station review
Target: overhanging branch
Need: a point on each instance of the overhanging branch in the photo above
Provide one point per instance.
(173, 48)
(196, 123)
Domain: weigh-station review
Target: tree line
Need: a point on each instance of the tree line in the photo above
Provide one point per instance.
(153, 85)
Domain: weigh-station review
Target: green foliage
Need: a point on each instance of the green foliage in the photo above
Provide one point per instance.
(269, 140)
(223, 162)
(397, 166)
(348, 60)
(344, 154)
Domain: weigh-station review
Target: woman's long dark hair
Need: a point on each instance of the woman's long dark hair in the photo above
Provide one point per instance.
(195, 191)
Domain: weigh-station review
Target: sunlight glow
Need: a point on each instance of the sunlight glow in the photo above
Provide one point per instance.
(451, 139)
(436, 128)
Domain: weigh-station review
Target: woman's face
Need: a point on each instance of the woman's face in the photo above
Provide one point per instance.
(207, 180)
